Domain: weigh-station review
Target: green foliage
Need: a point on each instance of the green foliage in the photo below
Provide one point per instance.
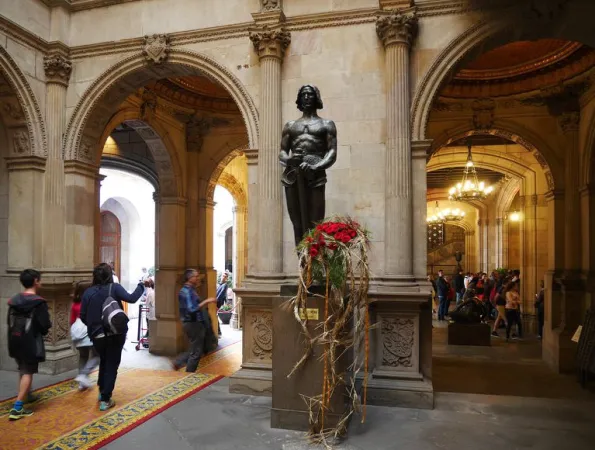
(225, 308)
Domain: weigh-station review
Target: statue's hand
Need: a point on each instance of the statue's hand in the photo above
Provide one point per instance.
(306, 167)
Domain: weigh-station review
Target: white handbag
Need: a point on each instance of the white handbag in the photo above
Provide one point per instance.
(78, 334)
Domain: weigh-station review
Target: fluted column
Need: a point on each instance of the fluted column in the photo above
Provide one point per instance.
(57, 72)
(397, 31)
(270, 45)
(239, 258)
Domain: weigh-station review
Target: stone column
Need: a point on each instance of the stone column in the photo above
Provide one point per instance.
(420, 198)
(57, 72)
(208, 287)
(239, 236)
(270, 45)
(166, 335)
(397, 30)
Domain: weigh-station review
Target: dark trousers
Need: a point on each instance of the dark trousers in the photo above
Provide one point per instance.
(195, 332)
(443, 304)
(314, 207)
(109, 350)
(541, 321)
(513, 316)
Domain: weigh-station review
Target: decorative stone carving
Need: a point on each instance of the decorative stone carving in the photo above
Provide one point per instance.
(61, 320)
(569, 121)
(156, 48)
(483, 113)
(398, 339)
(149, 104)
(262, 335)
(196, 130)
(85, 151)
(443, 106)
(270, 43)
(540, 159)
(397, 27)
(21, 143)
(550, 181)
(57, 69)
(271, 5)
(14, 110)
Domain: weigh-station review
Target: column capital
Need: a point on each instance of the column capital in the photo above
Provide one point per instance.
(57, 69)
(251, 156)
(270, 43)
(204, 203)
(397, 26)
(25, 163)
(74, 167)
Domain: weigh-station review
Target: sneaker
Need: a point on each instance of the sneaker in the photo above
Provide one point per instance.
(19, 414)
(83, 381)
(104, 406)
(495, 334)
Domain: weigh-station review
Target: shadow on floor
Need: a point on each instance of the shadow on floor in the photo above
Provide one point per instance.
(514, 368)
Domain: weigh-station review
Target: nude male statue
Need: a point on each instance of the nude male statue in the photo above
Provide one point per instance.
(308, 148)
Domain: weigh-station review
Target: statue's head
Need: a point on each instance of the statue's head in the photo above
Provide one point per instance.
(308, 98)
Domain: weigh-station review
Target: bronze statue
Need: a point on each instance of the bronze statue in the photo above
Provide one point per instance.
(471, 310)
(308, 148)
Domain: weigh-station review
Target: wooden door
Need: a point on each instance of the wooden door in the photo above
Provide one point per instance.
(110, 233)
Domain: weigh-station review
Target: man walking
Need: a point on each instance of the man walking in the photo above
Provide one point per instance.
(194, 319)
(442, 291)
(28, 322)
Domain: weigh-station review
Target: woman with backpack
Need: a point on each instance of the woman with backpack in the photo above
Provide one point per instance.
(101, 311)
(88, 357)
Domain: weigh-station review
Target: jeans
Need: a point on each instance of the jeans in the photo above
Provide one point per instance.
(109, 349)
(443, 305)
(513, 316)
(541, 321)
(196, 332)
(88, 360)
(459, 297)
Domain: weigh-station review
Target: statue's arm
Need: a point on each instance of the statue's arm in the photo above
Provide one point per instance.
(331, 143)
(285, 141)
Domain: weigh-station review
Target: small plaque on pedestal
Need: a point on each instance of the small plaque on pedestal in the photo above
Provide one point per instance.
(290, 395)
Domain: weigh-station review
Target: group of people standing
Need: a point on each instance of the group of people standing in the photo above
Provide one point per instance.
(97, 342)
(499, 293)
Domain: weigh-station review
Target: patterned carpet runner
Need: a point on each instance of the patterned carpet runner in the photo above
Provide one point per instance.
(65, 418)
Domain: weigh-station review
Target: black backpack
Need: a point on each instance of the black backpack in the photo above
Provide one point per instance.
(115, 320)
(22, 339)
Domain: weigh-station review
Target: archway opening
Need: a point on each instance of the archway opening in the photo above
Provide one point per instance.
(521, 108)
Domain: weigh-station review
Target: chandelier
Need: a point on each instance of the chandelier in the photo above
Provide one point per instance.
(470, 188)
(445, 215)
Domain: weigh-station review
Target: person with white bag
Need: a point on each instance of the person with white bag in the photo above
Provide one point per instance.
(88, 357)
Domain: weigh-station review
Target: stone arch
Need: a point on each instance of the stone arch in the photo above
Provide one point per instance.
(24, 111)
(167, 163)
(218, 171)
(506, 130)
(115, 84)
(234, 187)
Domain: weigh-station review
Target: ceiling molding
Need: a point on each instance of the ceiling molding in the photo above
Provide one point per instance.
(81, 5)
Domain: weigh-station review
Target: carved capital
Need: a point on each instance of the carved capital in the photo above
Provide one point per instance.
(270, 43)
(57, 69)
(271, 5)
(156, 48)
(397, 27)
(569, 121)
(21, 145)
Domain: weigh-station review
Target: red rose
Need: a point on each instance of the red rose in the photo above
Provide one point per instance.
(313, 251)
(332, 246)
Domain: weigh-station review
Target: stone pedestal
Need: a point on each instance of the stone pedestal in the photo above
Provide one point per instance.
(61, 356)
(469, 334)
(255, 376)
(402, 347)
(289, 409)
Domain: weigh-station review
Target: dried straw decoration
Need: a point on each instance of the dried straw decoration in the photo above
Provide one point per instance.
(334, 255)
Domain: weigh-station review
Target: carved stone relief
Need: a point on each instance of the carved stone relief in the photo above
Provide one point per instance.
(483, 113)
(540, 159)
(269, 42)
(85, 152)
(271, 5)
(196, 130)
(13, 110)
(550, 181)
(262, 335)
(57, 69)
(398, 339)
(156, 48)
(61, 320)
(20, 141)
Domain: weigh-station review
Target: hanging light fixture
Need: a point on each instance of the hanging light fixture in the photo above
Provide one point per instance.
(445, 215)
(470, 188)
